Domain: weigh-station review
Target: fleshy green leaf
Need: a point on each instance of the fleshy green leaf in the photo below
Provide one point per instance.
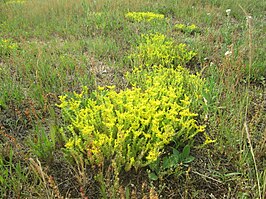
(153, 176)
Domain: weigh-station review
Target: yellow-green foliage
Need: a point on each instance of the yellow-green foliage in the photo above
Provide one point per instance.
(179, 80)
(157, 49)
(143, 16)
(187, 29)
(133, 126)
(7, 46)
(16, 2)
(178, 77)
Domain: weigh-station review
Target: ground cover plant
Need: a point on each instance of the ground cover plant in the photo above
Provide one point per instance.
(142, 99)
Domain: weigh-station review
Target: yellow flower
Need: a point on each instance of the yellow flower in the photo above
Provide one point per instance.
(101, 88)
(87, 130)
(180, 26)
(111, 87)
(152, 155)
(70, 144)
(192, 27)
(187, 113)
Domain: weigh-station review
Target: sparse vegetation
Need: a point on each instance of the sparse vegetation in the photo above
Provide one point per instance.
(132, 99)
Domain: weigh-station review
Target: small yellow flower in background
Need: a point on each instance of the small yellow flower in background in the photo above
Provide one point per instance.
(143, 16)
(180, 26)
(16, 2)
(192, 27)
(157, 49)
(7, 46)
(187, 28)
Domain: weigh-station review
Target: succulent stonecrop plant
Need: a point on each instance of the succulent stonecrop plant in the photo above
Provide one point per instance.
(190, 29)
(157, 49)
(143, 16)
(132, 127)
(178, 77)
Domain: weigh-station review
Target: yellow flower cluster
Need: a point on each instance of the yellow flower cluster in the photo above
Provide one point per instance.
(133, 125)
(177, 77)
(187, 29)
(16, 2)
(157, 49)
(143, 16)
(7, 46)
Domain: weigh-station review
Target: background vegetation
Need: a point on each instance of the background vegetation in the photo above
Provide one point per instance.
(54, 47)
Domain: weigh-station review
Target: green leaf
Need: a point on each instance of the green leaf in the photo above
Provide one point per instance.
(185, 152)
(167, 163)
(232, 174)
(176, 157)
(127, 193)
(175, 152)
(2, 180)
(153, 176)
(155, 165)
(188, 159)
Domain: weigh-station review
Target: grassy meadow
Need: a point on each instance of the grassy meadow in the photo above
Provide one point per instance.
(132, 99)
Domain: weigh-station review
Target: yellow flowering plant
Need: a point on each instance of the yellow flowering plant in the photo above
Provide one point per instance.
(7, 46)
(190, 29)
(178, 77)
(157, 49)
(143, 16)
(131, 127)
(16, 2)
(177, 80)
